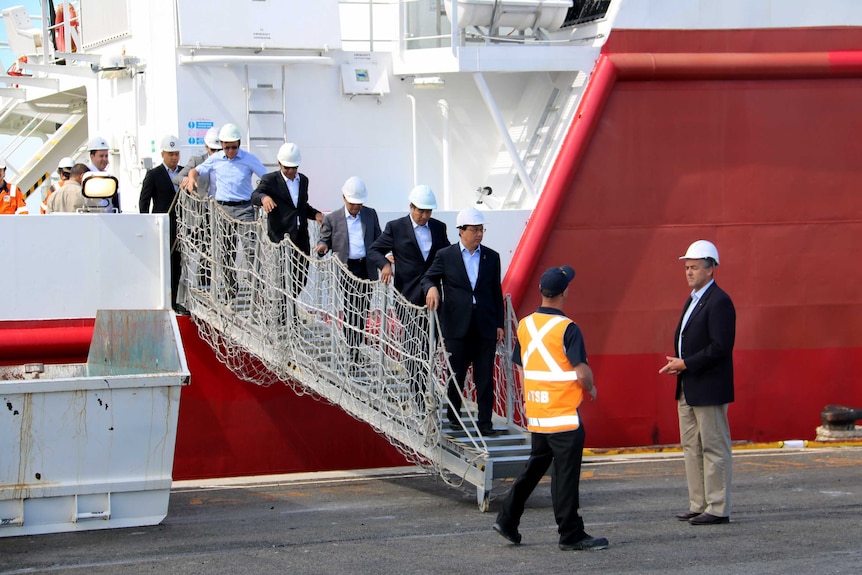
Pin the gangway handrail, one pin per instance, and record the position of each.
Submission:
(269, 321)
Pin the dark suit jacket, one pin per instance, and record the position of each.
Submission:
(286, 218)
(448, 271)
(157, 189)
(707, 349)
(333, 234)
(399, 238)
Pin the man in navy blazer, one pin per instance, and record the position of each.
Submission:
(283, 195)
(703, 367)
(349, 232)
(471, 313)
(413, 241)
(158, 191)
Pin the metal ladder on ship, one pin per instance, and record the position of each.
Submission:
(265, 113)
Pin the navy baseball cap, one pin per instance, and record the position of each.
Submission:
(555, 280)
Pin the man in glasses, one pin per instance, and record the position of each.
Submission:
(231, 169)
(471, 313)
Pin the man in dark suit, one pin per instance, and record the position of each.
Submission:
(158, 190)
(349, 233)
(413, 242)
(471, 313)
(703, 367)
(283, 194)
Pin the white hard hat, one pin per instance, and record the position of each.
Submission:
(354, 190)
(469, 217)
(423, 198)
(170, 144)
(229, 133)
(98, 143)
(211, 139)
(289, 155)
(65, 163)
(700, 250)
(2, 163)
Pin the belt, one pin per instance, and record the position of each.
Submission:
(356, 261)
(240, 203)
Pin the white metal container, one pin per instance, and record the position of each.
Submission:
(91, 446)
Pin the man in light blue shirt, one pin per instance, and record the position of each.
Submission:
(231, 171)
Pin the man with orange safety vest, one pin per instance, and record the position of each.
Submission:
(553, 359)
(12, 201)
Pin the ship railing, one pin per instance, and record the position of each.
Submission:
(275, 315)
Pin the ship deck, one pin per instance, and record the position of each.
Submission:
(795, 511)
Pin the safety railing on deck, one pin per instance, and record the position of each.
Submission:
(273, 314)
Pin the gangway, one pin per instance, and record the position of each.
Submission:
(249, 301)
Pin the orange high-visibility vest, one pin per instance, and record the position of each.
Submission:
(551, 390)
(12, 201)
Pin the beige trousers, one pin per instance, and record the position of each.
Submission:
(705, 436)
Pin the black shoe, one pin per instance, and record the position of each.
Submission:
(455, 425)
(487, 430)
(586, 544)
(510, 535)
(708, 519)
(181, 310)
(686, 515)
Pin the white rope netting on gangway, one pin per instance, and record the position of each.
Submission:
(273, 314)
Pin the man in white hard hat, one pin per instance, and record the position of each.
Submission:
(12, 201)
(232, 169)
(463, 282)
(413, 241)
(212, 145)
(64, 170)
(158, 196)
(349, 232)
(69, 198)
(283, 195)
(98, 148)
(703, 367)
(201, 227)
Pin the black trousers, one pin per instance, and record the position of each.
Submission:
(566, 451)
(356, 304)
(472, 349)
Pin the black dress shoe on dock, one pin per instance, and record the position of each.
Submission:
(586, 544)
(510, 535)
(686, 515)
(708, 519)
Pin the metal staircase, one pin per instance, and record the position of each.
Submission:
(265, 336)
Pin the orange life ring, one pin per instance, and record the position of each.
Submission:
(60, 33)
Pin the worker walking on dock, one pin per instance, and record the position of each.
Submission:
(551, 352)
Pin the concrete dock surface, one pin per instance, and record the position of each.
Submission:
(795, 512)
